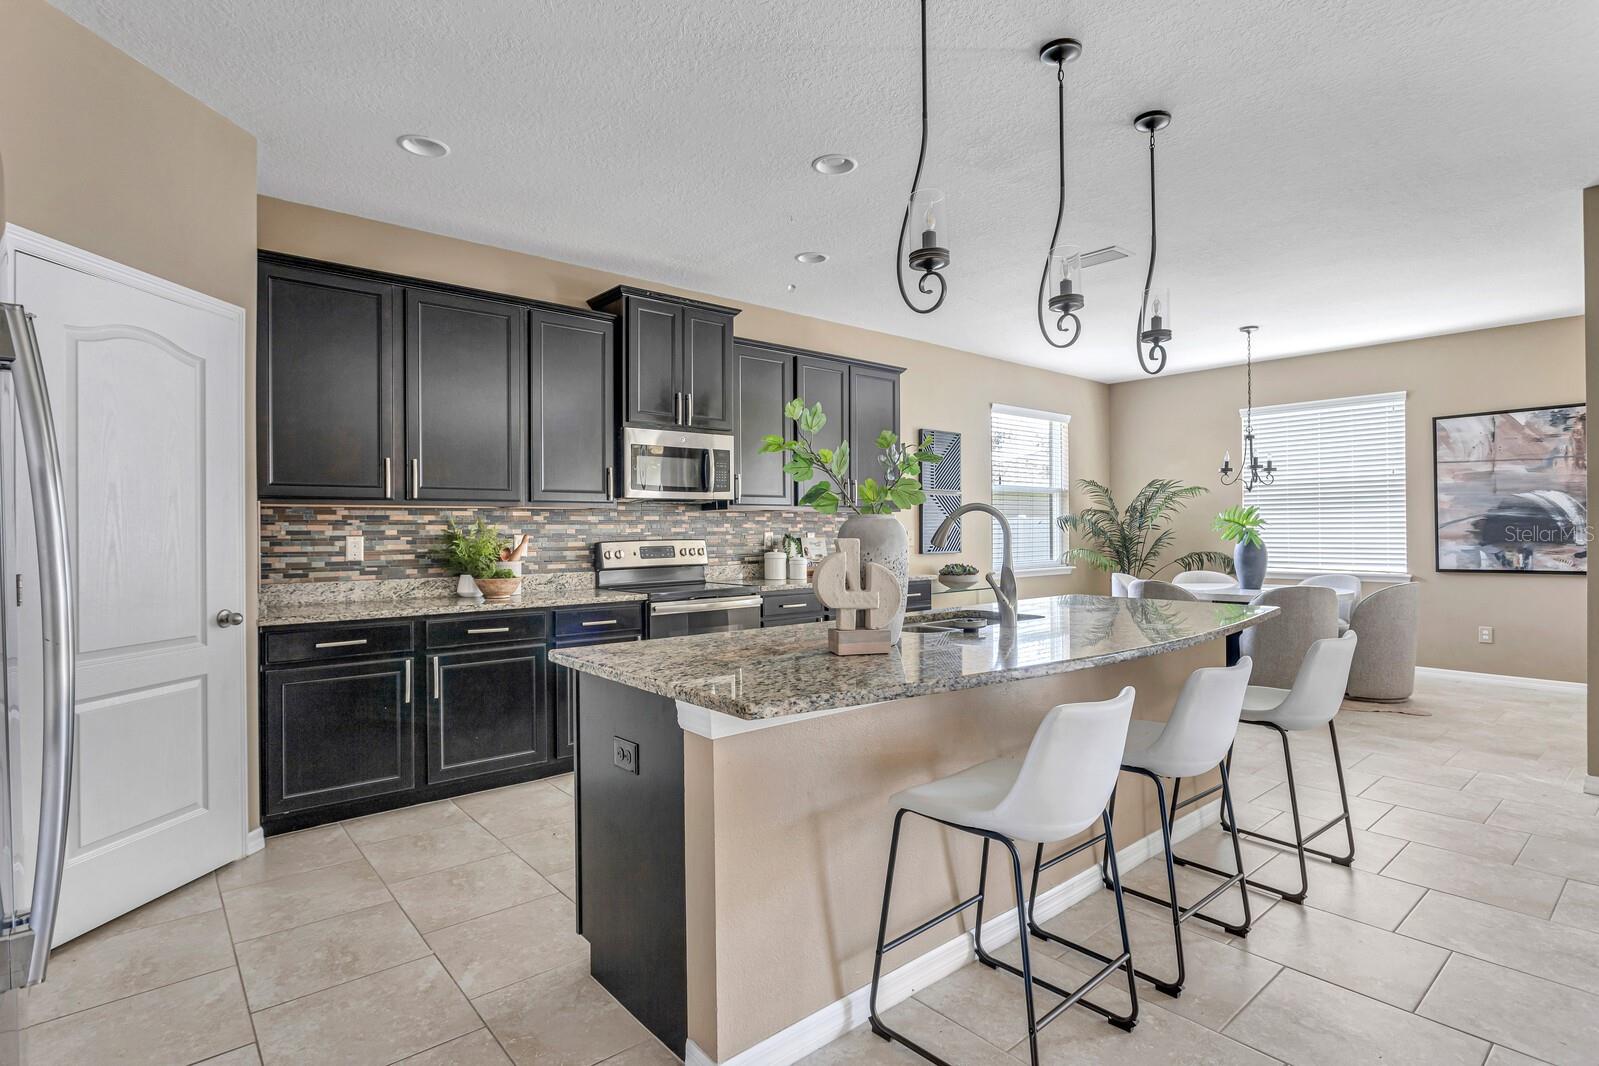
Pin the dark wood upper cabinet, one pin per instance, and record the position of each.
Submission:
(677, 359)
(571, 418)
(326, 380)
(708, 375)
(825, 380)
(465, 359)
(873, 407)
(764, 383)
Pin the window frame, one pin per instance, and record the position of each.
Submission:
(1058, 546)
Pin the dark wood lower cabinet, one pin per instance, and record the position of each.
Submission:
(337, 733)
(488, 711)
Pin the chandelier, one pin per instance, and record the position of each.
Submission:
(1251, 471)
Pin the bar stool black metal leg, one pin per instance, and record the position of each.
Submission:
(1343, 794)
(1298, 843)
(1130, 1019)
(1238, 849)
(982, 896)
(1170, 988)
(882, 930)
(1027, 963)
(1104, 860)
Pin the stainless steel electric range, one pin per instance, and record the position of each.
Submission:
(670, 574)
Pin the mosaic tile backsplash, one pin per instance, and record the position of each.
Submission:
(302, 542)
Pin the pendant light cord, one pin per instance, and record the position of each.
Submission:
(904, 226)
(1060, 213)
(1149, 276)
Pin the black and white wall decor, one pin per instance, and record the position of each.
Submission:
(1512, 491)
(942, 483)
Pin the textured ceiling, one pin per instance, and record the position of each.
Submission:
(1341, 173)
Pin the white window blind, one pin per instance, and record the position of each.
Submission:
(1030, 484)
(1338, 502)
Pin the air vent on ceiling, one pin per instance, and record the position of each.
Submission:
(1107, 254)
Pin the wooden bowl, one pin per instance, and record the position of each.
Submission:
(499, 588)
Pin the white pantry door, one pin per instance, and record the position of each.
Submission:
(147, 390)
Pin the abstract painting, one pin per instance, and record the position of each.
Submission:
(942, 483)
(1512, 491)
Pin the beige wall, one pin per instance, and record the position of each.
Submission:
(1590, 245)
(942, 388)
(1178, 426)
(103, 154)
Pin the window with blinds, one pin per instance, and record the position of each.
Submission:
(1031, 486)
(1338, 502)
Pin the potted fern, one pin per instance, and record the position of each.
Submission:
(475, 552)
(1131, 541)
(1240, 526)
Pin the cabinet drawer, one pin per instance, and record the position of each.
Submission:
(581, 622)
(919, 594)
(798, 603)
(487, 629)
(338, 642)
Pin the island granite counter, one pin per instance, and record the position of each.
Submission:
(733, 814)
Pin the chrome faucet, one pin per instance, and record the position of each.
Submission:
(1005, 585)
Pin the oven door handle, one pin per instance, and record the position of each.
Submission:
(733, 603)
(705, 470)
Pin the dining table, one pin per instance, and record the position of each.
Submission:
(1235, 593)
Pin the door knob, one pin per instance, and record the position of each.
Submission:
(229, 618)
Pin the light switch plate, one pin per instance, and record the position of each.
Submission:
(354, 548)
(624, 754)
(1485, 634)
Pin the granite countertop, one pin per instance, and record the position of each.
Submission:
(767, 673)
(359, 610)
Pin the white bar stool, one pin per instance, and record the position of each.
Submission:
(1197, 738)
(1312, 702)
(1060, 788)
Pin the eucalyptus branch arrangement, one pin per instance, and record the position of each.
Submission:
(900, 488)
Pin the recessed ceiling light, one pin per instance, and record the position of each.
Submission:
(426, 147)
(811, 257)
(833, 163)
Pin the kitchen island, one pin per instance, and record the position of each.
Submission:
(733, 814)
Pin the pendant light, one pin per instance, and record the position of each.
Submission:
(1156, 312)
(1062, 277)
(930, 254)
(1250, 470)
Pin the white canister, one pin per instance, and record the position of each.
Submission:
(776, 566)
(466, 588)
(798, 568)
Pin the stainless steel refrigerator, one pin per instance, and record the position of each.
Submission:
(32, 850)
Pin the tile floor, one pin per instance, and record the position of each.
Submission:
(1467, 931)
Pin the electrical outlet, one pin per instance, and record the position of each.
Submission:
(354, 548)
(1485, 634)
(768, 539)
(624, 754)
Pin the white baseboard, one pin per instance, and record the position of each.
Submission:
(1590, 785)
(254, 841)
(1500, 679)
(839, 1017)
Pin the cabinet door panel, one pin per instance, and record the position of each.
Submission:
(336, 733)
(571, 427)
(654, 360)
(464, 397)
(708, 370)
(487, 711)
(565, 701)
(325, 385)
(818, 379)
(874, 407)
(765, 381)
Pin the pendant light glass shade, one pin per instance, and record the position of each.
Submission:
(929, 210)
(1060, 285)
(1154, 314)
(1160, 312)
(1065, 278)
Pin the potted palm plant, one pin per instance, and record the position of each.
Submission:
(1131, 541)
(476, 552)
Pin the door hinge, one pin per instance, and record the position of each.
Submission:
(19, 590)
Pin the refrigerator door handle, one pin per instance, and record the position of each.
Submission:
(55, 608)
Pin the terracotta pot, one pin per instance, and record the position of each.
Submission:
(499, 588)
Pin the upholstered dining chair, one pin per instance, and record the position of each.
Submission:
(1120, 582)
(1339, 583)
(1151, 589)
(1306, 614)
(1384, 670)
(1191, 579)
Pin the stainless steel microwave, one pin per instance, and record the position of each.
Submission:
(670, 464)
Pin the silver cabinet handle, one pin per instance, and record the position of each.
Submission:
(339, 643)
(738, 487)
(704, 606)
(416, 478)
(388, 478)
(610, 483)
(229, 618)
(19, 354)
(688, 406)
(602, 622)
(433, 681)
(794, 606)
(677, 408)
(488, 629)
(408, 681)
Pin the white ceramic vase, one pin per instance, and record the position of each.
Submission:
(883, 541)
